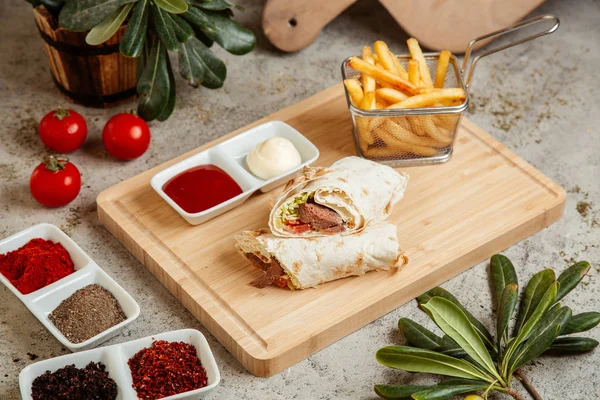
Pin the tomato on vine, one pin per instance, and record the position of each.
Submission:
(55, 182)
(126, 136)
(63, 130)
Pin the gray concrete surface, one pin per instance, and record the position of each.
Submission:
(540, 99)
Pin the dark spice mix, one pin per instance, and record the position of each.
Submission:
(71, 383)
(86, 313)
(166, 369)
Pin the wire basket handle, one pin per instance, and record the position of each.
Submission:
(515, 27)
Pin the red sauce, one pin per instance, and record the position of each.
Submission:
(200, 188)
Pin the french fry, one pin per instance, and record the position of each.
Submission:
(375, 123)
(375, 57)
(416, 126)
(385, 57)
(399, 133)
(398, 147)
(354, 90)
(446, 121)
(365, 138)
(434, 132)
(390, 95)
(414, 74)
(363, 123)
(366, 52)
(417, 54)
(382, 75)
(442, 67)
(368, 82)
(368, 101)
(403, 122)
(428, 99)
(379, 104)
(400, 67)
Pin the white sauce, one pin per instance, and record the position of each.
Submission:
(273, 157)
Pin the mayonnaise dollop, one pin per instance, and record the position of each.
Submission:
(273, 157)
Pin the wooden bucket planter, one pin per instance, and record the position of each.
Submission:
(96, 76)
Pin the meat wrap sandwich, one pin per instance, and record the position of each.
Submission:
(301, 263)
(342, 199)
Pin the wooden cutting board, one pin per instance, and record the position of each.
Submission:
(292, 25)
(453, 216)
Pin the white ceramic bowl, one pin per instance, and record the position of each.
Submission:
(230, 156)
(115, 358)
(43, 301)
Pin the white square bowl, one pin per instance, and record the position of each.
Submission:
(238, 147)
(115, 358)
(43, 301)
(230, 156)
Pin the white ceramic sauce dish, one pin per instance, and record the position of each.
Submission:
(115, 358)
(43, 301)
(230, 156)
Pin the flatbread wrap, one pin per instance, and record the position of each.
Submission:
(341, 199)
(300, 263)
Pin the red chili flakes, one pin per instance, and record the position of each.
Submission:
(166, 369)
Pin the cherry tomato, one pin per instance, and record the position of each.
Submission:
(63, 130)
(55, 182)
(126, 136)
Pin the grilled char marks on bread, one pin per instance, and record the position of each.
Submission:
(320, 218)
(271, 271)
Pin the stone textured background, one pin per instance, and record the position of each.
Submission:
(540, 99)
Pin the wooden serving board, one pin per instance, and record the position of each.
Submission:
(292, 25)
(453, 216)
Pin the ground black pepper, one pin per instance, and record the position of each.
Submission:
(166, 369)
(86, 313)
(71, 383)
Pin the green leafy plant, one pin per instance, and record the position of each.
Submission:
(469, 355)
(155, 27)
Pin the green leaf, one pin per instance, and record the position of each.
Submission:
(479, 327)
(164, 29)
(199, 21)
(142, 59)
(451, 348)
(134, 38)
(502, 274)
(544, 304)
(419, 360)
(107, 28)
(507, 304)
(215, 70)
(83, 15)
(215, 5)
(53, 6)
(153, 84)
(537, 286)
(581, 323)
(230, 35)
(445, 391)
(419, 336)
(202, 37)
(571, 278)
(190, 66)
(455, 324)
(172, 6)
(542, 336)
(166, 113)
(397, 391)
(573, 344)
(183, 30)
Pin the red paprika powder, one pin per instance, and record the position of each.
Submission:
(37, 264)
(166, 369)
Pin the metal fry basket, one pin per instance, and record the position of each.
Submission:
(420, 136)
